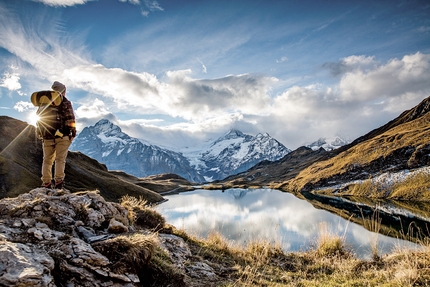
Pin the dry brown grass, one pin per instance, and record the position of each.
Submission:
(373, 224)
(416, 187)
(413, 188)
(129, 253)
(411, 134)
(328, 263)
(410, 268)
(329, 244)
(141, 214)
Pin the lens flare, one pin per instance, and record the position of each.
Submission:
(33, 118)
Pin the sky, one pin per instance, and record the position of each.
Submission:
(178, 73)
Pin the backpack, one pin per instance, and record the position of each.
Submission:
(50, 122)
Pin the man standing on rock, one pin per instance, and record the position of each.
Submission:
(57, 128)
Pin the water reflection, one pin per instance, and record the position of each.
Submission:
(243, 215)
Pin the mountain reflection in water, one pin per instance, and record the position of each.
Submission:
(244, 215)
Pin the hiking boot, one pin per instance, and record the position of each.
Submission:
(59, 184)
(47, 184)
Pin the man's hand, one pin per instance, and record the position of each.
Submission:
(72, 134)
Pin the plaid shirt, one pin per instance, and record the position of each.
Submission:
(67, 115)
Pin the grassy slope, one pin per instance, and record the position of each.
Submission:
(399, 145)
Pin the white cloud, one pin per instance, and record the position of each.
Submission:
(22, 106)
(94, 109)
(128, 89)
(182, 96)
(62, 2)
(42, 46)
(409, 75)
(204, 70)
(10, 81)
(200, 99)
(283, 59)
(367, 96)
(151, 4)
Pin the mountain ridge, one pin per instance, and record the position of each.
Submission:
(231, 153)
(108, 144)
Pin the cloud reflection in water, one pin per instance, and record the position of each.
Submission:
(244, 215)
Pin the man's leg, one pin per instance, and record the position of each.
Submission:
(48, 160)
(62, 147)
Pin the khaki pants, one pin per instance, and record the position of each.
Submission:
(54, 150)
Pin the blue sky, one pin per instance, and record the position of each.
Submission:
(181, 72)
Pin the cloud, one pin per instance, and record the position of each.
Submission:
(367, 96)
(362, 100)
(94, 109)
(10, 81)
(63, 3)
(129, 90)
(181, 96)
(42, 45)
(393, 80)
(204, 70)
(207, 98)
(151, 5)
(283, 59)
(22, 106)
(349, 64)
(148, 4)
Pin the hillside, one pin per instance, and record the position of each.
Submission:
(278, 171)
(21, 158)
(402, 144)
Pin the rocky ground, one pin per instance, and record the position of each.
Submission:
(57, 238)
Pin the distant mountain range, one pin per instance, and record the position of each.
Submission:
(328, 143)
(106, 143)
(230, 154)
(236, 152)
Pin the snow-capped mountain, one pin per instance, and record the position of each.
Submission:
(106, 143)
(328, 143)
(236, 152)
(230, 154)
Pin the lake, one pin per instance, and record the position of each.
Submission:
(244, 215)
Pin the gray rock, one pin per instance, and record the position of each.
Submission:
(24, 265)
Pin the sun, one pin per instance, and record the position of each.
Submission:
(33, 118)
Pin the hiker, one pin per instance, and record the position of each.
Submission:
(57, 128)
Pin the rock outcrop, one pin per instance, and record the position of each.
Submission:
(57, 238)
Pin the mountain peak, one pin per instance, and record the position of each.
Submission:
(234, 133)
(107, 127)
(328, 143)
(230, 135)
